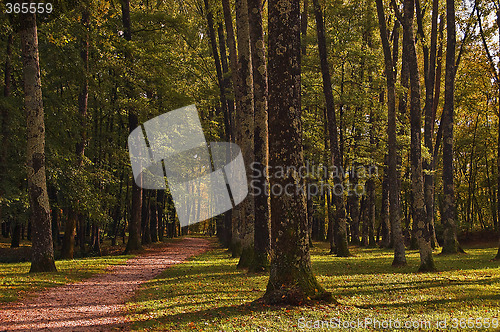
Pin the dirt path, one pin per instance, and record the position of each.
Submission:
(98, 303)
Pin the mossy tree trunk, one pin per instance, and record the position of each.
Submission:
(450, 244)
(244, 213)
(420, 226)
(393, 176)
(42, 250)
(291, 278)
(261, 140)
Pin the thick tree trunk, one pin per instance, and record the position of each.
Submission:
(420, 226)
(42, 251)
(134, 237)
(291, 278)
(244, 214)
(450, 244)
(341, 245)
(261, 144)
(392, 169)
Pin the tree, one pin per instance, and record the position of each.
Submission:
(68, 247)
(42, 252)
(291, 278)
(261, 144)
(496, 75)
(392, 171)
(420, 226)
(341, 246)
(134, 237)
(450, 245)
(244, 214)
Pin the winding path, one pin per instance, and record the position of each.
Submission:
(97, 303)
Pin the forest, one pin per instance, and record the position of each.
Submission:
(369, 137)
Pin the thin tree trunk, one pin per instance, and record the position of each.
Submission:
(385, 221)
(261, 144)
(134, 237)
(4, 114)
(303, 26)
(420, 226)
(392, 172)
(291, 278)
(42, 251)
(341, 245)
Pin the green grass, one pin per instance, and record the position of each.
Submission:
(16, 282)
(208, 293)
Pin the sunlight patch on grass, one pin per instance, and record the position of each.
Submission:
(208, 293)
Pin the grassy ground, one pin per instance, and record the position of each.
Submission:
(208, 293)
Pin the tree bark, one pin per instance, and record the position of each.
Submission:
(291, 278)
(450, 244)
(429, 118)
(341, 245)
(42, 251)
(392, 169)
(420, 226)
(244, 213)
(262, 244)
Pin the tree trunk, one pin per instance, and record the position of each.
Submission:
(228, 87)
(160, 199)
(341, 246)
(145, 226)
(42, 251)
(4, 118)
(291, 278)
(392, 169)
(16, 235)
(244, 213)
(153, 219)
(233, 64)
(134, 237)
(261, 202)
(385, 221)
(353, 202)
(420, 226)
(450, 244)
(303, 27)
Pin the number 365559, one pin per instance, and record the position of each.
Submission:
(27, 7)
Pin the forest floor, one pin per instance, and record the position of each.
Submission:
(94, 304)
(208, 293)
